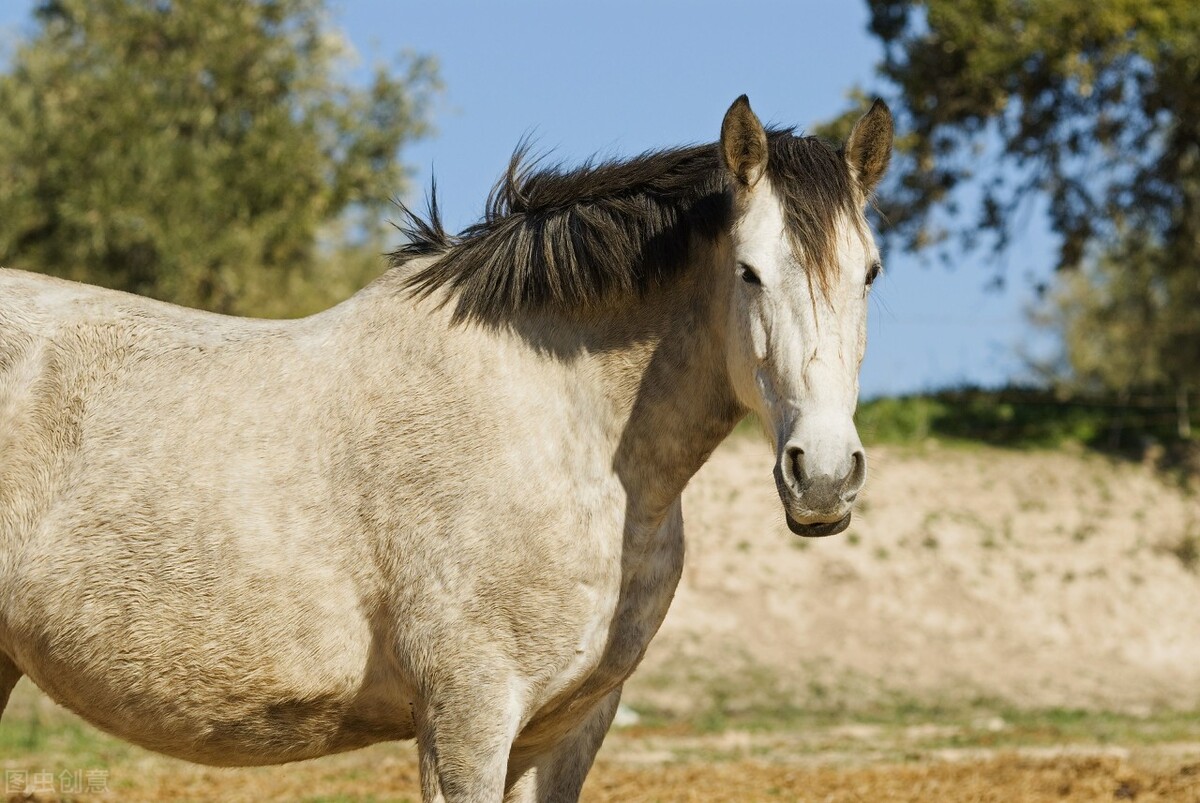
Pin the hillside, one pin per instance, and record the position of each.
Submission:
(1024, 579)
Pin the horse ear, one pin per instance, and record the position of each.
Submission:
(869, 148)
(743, 143)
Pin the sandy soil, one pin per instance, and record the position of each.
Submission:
(1034, 578)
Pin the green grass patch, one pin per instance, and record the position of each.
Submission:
(35, 736)
(1027, 417)
(1015, 417)
(925, 725)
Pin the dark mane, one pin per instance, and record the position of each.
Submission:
(573, 239)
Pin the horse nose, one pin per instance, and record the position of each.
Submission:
(821, 487)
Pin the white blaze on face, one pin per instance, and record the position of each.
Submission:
(794, 355)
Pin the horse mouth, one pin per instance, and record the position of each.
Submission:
(818, 530)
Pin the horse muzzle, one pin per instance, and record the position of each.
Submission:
(818, 503)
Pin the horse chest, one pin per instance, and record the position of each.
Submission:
(613, 643)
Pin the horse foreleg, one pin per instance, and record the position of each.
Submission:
(9, 675)
(464, 736)
(558, 775)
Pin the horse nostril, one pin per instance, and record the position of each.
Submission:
(857, 476)
(794, 463)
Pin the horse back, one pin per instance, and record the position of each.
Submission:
(63, 345)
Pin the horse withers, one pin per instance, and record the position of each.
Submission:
(448, 508)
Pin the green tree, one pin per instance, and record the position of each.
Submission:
(1091, 105)
(204, 152)
(1123, 328)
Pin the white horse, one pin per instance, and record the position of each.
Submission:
(448, 508)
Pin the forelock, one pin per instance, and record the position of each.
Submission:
(814, 185)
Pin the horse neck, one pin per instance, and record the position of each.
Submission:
(670, 391)
(652, 368)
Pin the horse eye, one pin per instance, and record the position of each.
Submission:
(873, 273)
(748, 274)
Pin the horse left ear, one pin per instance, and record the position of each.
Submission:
(869, 148)
(743, 143)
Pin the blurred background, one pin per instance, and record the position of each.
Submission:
(1025, 571)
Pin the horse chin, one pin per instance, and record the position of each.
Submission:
(819, 529)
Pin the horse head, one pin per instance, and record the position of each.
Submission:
(801, 267)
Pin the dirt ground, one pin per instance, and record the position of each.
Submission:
(390, 774)
(1008, 778)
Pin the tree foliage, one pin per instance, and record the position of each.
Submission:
(1092, 105)
(206, 152)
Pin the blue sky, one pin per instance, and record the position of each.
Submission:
(617, 78)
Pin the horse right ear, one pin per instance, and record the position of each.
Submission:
(743, 143)
(869, 148)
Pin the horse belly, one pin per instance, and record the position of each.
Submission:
(213, 707)
(199, 661)
(216, 725)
